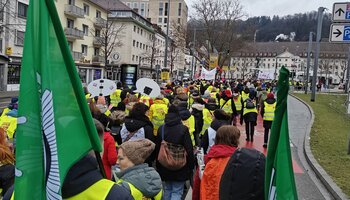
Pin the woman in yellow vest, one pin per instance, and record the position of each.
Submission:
(208, 114)
(250, 115)
(268, 114)
(142, 181)
(186, 117)
(157, 113)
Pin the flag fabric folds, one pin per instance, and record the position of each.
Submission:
(55, 127)
(279, 175)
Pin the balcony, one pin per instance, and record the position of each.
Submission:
(98, 59)
(74, 11)
(98, 41)
(76, 55)
(73, 33)
(100, 22)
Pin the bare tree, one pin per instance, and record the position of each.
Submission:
(112, 38)
(219, 18)
(343, 66)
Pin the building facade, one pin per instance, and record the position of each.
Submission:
(270, 56)
(139, 6)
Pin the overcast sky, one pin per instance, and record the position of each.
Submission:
(278, 7)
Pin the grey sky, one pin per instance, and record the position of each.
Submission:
(278, 7)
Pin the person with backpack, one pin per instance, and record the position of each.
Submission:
(250, 116)
(157, 113)
(138, 126)
(227, 104)
(268, 113)
(208, 114)
(173, 137)
(220, 118)
(243, 176)
(207, 182)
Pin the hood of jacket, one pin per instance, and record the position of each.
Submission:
(133, 124)
(80, 176)
(184, 112)
(144, 178)
(270, 101)
(220, 151)
(211, 106)
(197, 106)
(172, 119)
(216, 124)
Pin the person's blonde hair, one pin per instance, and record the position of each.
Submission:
(228, 135)
(6, 155)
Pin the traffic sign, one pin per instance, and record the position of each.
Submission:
(341, 12)
(340, 33)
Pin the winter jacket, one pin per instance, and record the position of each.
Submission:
(7, 177)
(146, 179)
(84, 174)
(187, 119)
(269, 101)
(157, 113)
(197, 112)
(109, 157)
(172, 134)
(208, 113)
(208, 138)
(248, 117)
(207, 188)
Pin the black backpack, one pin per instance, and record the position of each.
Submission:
(243, 177)
(249, 104)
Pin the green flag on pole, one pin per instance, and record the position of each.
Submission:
(279, 175)
(55, 125)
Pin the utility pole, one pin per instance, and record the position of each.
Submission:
(193, 71)
(318, 39)
(347, 85)
(306, 84)
(167, 38)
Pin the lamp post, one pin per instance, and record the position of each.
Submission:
(167, 37)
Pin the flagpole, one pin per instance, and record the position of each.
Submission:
(100, 164)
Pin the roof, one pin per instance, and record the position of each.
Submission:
(111, 5)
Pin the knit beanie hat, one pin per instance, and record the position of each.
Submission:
(220, 114)
(270, 95)
(138, 151)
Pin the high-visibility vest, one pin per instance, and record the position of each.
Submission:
(248, 110)
(6, 110)
(146, 100)
(9, 124)
(238, 103)
(226, 106)
(98, 190)
(115, 97)
(269, 111)
(245, 96)
(137, 194)
(213, 95)
(190, 123)
(207, 119)
(157, 113)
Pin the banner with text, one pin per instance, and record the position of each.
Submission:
(208, 75)
(214, 60)
(266, 75)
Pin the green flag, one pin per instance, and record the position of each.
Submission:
(55, 127)
(279, 175)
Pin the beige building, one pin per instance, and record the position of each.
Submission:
(139, 6)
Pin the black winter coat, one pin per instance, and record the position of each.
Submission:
(172, 134)
(197, 112)
(215, 124)
(7, 177)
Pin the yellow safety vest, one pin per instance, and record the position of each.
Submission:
(6, 110)
(248, 110)
(227, 107)
(157, 114)
(107, 113)
(190, 123)
(137, 194)
(269, 111)
(98, 190)
(238, 103)
(115, 97)
(207, 119)
(245, 96)
(9, 124)
(145, 99)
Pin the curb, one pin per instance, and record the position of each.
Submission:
(321, 174)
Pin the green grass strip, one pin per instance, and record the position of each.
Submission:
(330, 136)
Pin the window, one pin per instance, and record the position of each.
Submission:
(161, 9)
(133, 57)
(179, 10)
(96, 51)
(140, 45)
(166, 9)
(70, 23)
(144, 46)
(19, 38)
(160, 20)
(97, 33)
(134, 28)
(137, 44)
(86, 29)
(13, 74)
(128, 4)
(98, 14)
(165, 20)
(71, 2)
(179, 20)
(70, 45)
(22, 10)
(136, 5)
(142, 9)
(138, 30)
(84, 49)
(137, 58)
(86, 9)
(141, 31)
